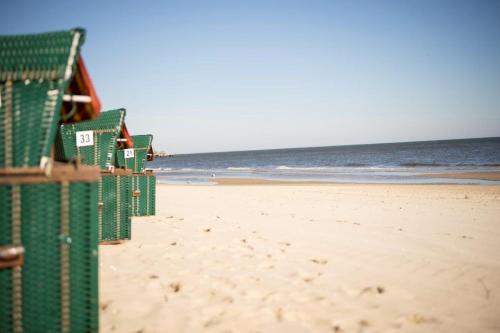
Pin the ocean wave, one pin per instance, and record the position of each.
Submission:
(159, 169)
(284, 167)
(239, 168)
(478, 165)
(422, 164)
(325, 168)
(356, 165)
(195, 170)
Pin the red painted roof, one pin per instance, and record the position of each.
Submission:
(126, 135)
(81, 85)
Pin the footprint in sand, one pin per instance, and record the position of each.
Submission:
(214, 321)
(306, 277)
(337, 329)
(279, 314)
(418, 319)
(320, 261)
(377, 290)
(175, 286)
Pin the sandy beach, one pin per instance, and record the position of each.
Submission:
(308, 258)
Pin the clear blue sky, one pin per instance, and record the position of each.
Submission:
(233, 75)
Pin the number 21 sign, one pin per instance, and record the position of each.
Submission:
(84, 138)
(129, 153)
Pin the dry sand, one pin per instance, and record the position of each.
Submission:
(308, 258)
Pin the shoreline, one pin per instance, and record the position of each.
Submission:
(240, 181)
(490, 178)
(476, 175)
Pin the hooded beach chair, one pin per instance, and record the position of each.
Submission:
(48, 214)
(94, 142)
(143, 182)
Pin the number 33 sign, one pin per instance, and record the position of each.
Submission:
(129, 153)
(84, 138)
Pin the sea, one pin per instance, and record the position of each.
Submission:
(402, 162)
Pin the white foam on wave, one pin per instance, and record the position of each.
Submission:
(238, 168)
(342, 169)
(284, 167)
(159, 169)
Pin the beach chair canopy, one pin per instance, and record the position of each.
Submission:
(93, 142)
(142, 152)
(38, 74)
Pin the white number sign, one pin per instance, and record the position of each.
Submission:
(84, 138)
(129, 153)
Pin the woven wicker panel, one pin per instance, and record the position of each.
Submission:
(137, 164)
(39, 56)
(143, 202)
(122, 162)
(34, 73)
(106, 130)
(56, 288)
(125, 228)
(136, 195)
(151, 195)
(115, 214)
(108, 209)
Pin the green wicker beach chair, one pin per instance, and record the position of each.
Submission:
(143, 186)
(94, 142)
(136, 159)
(43, 81)
(48, 251)
(115, 210)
